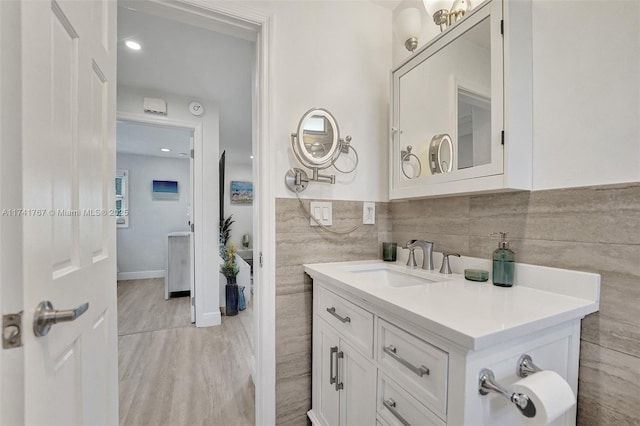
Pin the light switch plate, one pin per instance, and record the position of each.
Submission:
(322, 211)
(368, 213)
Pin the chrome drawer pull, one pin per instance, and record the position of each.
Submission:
(391, 406)
(420, 371)
(332, 311)
(338, 356)
(332, 350)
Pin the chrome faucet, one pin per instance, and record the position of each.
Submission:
(427, 253)
(411, 261)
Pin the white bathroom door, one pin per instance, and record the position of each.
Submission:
(68, 193)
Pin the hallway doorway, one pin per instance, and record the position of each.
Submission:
(147, 76)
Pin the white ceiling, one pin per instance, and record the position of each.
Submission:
(147, 139)
(191, 61)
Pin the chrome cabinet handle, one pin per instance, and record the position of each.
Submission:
(391, 351)
(338, 384)
(391, 406)
(332, 351)
(332, 311)
(46, 316)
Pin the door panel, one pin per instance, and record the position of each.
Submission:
(94, 167)
(358, 398)
(68, 157)
(328, 402)
(63, 137)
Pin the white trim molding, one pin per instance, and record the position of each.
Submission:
(209, 221)
(141, 275)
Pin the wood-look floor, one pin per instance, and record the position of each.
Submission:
(172, 373)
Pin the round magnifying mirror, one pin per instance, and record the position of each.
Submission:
(318, 138)
(441, 154)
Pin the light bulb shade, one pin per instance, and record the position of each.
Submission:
(408, 23)
(432, 6)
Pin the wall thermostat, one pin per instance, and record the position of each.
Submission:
(196, 109)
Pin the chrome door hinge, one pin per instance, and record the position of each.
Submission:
(502, 137)
(193, 227)
(193, 301)
(260, 259)
(192, 154)
(502, 26)
(12, 331)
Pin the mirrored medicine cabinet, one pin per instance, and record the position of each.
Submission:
(450, 110)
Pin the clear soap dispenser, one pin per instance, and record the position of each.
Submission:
(503, 263)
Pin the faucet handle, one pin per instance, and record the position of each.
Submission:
(411, 261)
(446, 268)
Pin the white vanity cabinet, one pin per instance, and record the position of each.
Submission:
(395, 355)
(461, 116)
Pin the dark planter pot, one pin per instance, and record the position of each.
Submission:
(232, 295)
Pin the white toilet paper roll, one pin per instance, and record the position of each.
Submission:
(550, 393)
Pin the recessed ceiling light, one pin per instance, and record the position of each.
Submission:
(251, 156)
(165, 149)
(132, 45)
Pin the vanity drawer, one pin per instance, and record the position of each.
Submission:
(352, 321)
(420, 367)
(397, 407)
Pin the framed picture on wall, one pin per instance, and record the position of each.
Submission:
(164, 190)
(241, 192)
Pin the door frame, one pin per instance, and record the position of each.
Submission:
(11, 275)
(197, 208)
(261, 23)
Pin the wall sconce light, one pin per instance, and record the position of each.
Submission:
(409, 26)
(442, 15)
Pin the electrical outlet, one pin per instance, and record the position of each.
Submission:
(368, 213)
(322, 211)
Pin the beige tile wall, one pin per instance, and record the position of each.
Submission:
(594, 229)
(298, 243)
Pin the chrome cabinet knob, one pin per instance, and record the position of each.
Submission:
(46, 316)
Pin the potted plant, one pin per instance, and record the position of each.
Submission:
(230, 270)
(225, 229)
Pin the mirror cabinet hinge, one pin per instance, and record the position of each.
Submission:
(502, 137)
(502, 26)
(192, 153)
(12, 331)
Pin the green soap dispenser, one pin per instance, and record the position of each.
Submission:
(503, 263)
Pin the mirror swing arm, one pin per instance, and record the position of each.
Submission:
(312, 155)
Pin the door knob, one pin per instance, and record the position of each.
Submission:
(46, 316)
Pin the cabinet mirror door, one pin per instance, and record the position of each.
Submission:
(448, 105)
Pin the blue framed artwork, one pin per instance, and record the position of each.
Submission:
(241, 192)
(165, 190)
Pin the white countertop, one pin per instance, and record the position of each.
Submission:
(472, 314)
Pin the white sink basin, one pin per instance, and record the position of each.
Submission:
(392, 277)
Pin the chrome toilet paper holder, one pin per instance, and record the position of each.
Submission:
(526, 367)
(487, 382)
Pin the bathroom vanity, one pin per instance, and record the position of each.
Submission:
(398, 346)
(461, 115)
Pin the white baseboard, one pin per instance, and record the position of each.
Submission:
(209, 319)
(141, 275)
